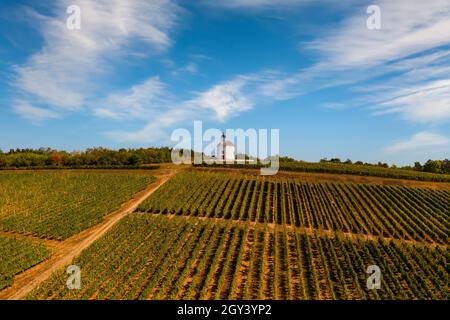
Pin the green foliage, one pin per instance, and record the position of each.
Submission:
(22, 158)
(358, 168)
(380, 170)
(385, 211)
(58, 204)
(156, 257)
(18, 255)
(433, 166)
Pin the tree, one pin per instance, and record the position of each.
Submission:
(381, 164)
(56, 159)
(446, 166)
(418, 166)
(286, 159)
(135, 160)
(433, 166)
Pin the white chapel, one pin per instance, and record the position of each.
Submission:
(225, 150)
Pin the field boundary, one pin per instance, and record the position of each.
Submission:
(64, 252)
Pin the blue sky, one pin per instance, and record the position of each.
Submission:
(137, 70)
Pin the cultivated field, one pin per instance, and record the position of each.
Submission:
(161, 257)
(58, 204)
(55, 205)
(205, 235)
(18, 255)
(225, 235)
(387, 211)
(351, 169)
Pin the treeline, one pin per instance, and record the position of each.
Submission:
(93, 157)
(105, 158)
(432, 166)
(334, 167)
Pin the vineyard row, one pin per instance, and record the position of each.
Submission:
(384, 211)
(57, 205)
(159, 257)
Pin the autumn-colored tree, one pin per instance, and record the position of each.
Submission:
(56, 159)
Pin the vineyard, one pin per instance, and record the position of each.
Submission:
(18, 255)
(58, 204)
(169, 257)
(343, 168)
(215, 235)
(364, 170)
(384, 211)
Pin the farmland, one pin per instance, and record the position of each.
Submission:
(352, 169)
(59, 204)
(18, 255)
(364, 170)
(162, 257)
(231, 235)
(385, 211)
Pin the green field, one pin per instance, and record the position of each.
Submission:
(386, 211)
(59, 204)
(159, 257)
(226, 235)
(17, 256)
(353, 169)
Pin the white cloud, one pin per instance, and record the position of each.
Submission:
(429, 102)
(32, 113)
(66, 72)
(191, 68)
(408, 27)
(236, 4)
(421, 141)
(225, 99)
(266, 4)
(138, 102)
(69, 66)
(220, 102)
(404, 66)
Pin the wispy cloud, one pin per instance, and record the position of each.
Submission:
(190, 68)
(217, 103)
(138, 102)
(65, 72)
(33, 114)
(425, 103)
(402, 68)
(224, 100)
(263, 4)
(422, 141)
(408, 27)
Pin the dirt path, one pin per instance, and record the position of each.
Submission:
(65, 251)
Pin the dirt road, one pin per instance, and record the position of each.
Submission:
(63, 252)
